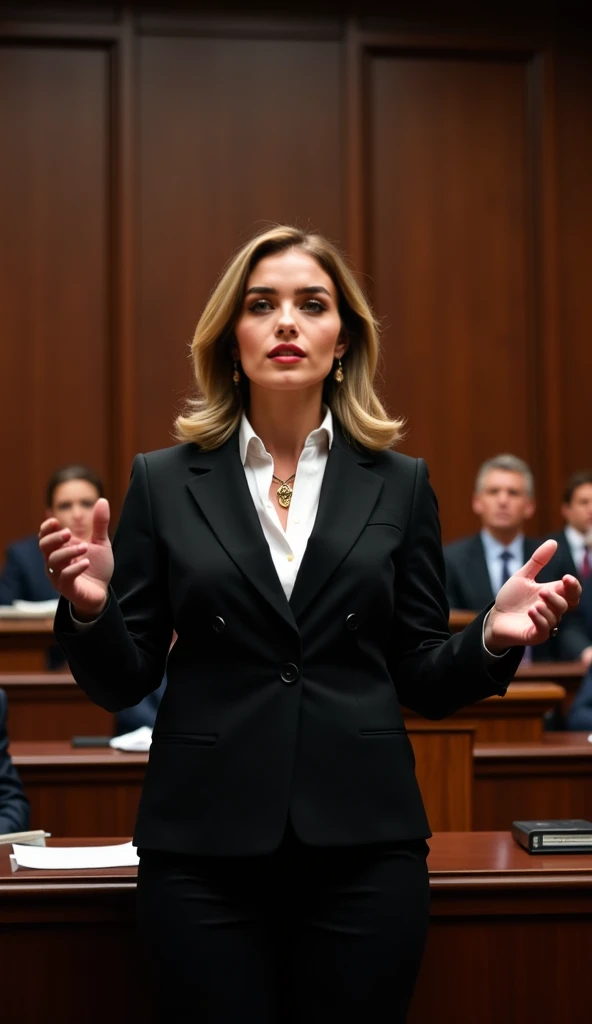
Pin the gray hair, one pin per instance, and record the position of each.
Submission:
(511, 464)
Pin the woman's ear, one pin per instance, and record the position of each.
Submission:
(342, 344)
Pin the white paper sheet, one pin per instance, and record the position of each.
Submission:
(29, 610)
(73, 857)
(138, 740)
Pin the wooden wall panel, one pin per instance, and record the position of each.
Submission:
(233, 134)
(447, 212)
(574, 232)
(54, 288)
(142, 143)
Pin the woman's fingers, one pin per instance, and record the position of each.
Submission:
(554, 601)
(61, 557)
(50, 526)
(547, 614)
(73, 570)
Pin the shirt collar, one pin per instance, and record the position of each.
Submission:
(575, 539)
(493, 548)
(250, 444)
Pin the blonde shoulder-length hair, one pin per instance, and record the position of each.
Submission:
(211, 417)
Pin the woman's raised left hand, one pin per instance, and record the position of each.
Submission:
(525, 612)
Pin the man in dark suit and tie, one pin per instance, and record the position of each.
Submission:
(14, 806)
(574, 542)
(477, 566)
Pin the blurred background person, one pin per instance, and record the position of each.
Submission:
(14, 806)
(71, 495)
(478, 566)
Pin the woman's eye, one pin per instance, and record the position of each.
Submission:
(260, 306)
(313, 306)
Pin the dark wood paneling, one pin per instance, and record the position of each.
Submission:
(54, 290)
(574, 231)
(233, 134)
(447, 248)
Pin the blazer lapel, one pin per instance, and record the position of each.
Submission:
(219, 486)
(348, 495)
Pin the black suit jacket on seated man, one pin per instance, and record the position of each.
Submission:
(14, 806)
(277, 707)
(468, 586)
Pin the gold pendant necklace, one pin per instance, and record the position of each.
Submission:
(284, 492)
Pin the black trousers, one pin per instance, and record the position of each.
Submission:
(301, 936)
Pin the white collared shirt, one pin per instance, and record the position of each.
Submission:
(577, 546)
(493, 550)
(287, 546)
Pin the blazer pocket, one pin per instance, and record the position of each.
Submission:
(383, 732)
(383, 516)
(190, 739)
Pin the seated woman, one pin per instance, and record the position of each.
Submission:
(71, 495)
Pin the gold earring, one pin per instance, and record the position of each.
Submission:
(338, 375)
(236, 375)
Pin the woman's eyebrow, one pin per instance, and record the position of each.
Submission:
(311, 289)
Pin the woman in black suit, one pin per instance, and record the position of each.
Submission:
(281, 831)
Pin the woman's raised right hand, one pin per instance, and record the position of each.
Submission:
(80, 570)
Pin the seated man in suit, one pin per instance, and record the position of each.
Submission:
(477, 566)
(14, 806)
(574, 542)
(71, 495)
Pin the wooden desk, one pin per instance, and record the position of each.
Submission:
(24, 644)
(51, 706)
(568, 674)
(459, 618)
(444, 768)
(498, 916)
(76, 791)
(517, 716)
(551, 778)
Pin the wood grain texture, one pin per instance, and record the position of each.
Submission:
(54, 293)
(51, 706)
(232, 137)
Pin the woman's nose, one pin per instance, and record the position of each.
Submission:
(286, 325)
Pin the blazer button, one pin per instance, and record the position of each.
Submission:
(351, 622)
(290, 673)
(218, 624)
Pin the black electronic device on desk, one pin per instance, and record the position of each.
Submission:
(561, 835)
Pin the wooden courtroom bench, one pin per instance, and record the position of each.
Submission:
(498, 916)
(550, 778)
(517, 716)
(24, 644)
(77, 791)
(51, 706)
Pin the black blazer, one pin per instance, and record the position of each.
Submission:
(14, 806)
(468, 587)
(275, 707)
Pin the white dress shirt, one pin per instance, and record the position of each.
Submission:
(287, 546)
(577, 546)
(493, 550)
